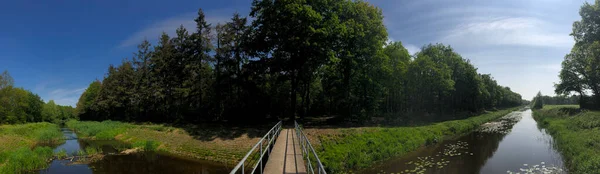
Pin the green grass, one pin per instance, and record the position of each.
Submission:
(147, 145)
(62, 153)
(576, 134)
(106, 130)
(109, 130)
(92, 150)
(25, 159)
(171, 140)
(345, 149)
(17, 142)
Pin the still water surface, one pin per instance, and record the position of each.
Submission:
(519, 144)
(131, 163)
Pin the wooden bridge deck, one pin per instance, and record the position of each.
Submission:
(286, 156)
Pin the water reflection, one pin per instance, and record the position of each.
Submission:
(154, 163)
(493, 151)
(113, 162)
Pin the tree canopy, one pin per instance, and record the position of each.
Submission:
(18, 105)
(581, 67)
(295, 59)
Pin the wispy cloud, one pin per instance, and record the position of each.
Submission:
(517, 31)
(169, 25)
(63, 96)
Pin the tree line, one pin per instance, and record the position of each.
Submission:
(580, 73)
(18, 105)
(295, 59)
(540, 100)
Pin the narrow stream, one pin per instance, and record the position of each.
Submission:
(513, 144)
(113, 162)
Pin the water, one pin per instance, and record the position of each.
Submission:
(513, 145)
(113, 162)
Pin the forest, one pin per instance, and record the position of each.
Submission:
(337, 60)
(18, 105)
(293, 60)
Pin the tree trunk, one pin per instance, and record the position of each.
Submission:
(293, 91)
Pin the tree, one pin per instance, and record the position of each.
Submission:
(6, 80)
(50, 112)
(142, 90)
(199, 78)
(87, 104)
(293, 36)
(297, 58)
(398, 60)
(581, 68)
(18, 105)
(34, 107)
(538, 102)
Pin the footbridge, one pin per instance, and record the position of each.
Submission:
(281, 150)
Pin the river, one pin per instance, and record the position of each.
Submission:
(113, 162)
(513, 144)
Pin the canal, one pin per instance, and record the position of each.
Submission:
(513, 144)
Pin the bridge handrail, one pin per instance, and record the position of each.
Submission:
(271, 136)
(307, 151)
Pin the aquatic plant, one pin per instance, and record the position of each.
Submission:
(538, 169)
(424, 163)
(80, 153)
(502, 125)
(355, 148)
(62, 153)
(92, 150)
(455, 149)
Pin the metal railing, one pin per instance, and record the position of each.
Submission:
(308, 151)
(262, 149)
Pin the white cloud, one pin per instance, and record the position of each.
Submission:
(412, 49)
(153, 31)
(65, 96)
(518, 31)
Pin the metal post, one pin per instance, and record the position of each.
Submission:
(261, 160)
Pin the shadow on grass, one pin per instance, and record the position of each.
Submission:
(415, 119)
(227, 130)
(210, 131)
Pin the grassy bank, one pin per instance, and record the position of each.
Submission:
(344, 149)
(576, 134)
(17, 142)
(200, 142)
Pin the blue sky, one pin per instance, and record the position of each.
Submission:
(56, 48)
